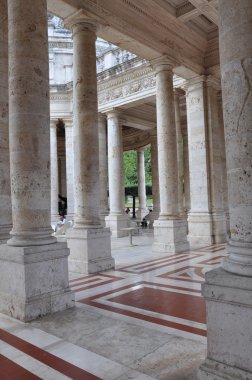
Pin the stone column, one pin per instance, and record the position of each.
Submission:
(187, 199)
(69, 168)
(154, 174)
(103, 171)
(5, 191)
(34, 269)
(117, 217)
(142, 209)
(179, 153)
(169, 229)
(228, 290)
(206, 219)
(89, 242)
(54, 172)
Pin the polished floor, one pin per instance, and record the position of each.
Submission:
(145, 320)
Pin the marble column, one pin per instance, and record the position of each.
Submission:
(117, 218)
(206, 219)
(142, 208)
(169, 229)
(5, 190)
(33, 266)
(228, 289)
(154, 174)
(54, 172)
(89, 242)
(187, 199)
(179, 153)
(69, 168)
(103, 164)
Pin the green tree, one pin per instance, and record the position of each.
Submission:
(130, 167)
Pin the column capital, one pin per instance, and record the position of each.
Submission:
(194, 83)
(213, 82)
(163, 63)
(82, 21)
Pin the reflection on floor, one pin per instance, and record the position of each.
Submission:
(145, 320)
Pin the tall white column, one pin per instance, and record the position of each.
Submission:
(54, 172)
(142, 209)
(228, 290)
(206, 219)
(34, 268)
(69, 168)
(117, 218)
(89, 242)
(169, 229)
(179, 153)
(154, 174)
(5, 191)
(103, 171)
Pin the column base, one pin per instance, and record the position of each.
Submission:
(141, 213)
(229, 328)
(34, 281)
(103, 215)
(170, 236)
(5, 233)
(90, 250)
(115, 223)
(206, 229)
(213, 370)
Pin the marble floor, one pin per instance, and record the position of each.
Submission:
(145, 320)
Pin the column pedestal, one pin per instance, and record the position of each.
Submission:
(170, 236)
(34, 280)
(90, 250)
(116, 223)
(206, 229)
(229, 309)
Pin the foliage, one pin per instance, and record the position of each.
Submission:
(133, 190)
(130, 167)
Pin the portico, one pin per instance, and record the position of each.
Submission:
(178, 45)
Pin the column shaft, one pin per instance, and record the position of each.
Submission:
(103, 171)
(179, 153)
(117, 218)
(142, 209)
(5, 191)
(85, 128)
(69, 168)
(29, 147)
(54, 173)
(154, 174)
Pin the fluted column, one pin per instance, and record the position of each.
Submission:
(228, 289)
(69, 168)
(169, 229)
(117, 218)
(5, 191)
(88, 241)
(179, 153)
(33, 269)
(154, 174)
(103, 171)
(54, 172)
(142, 209)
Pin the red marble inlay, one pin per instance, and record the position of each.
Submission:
(9, 370)
(94, 301)
(175, 274)
(178, 305)
(46, 358)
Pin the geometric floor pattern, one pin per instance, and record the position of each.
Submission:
(163, 293)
